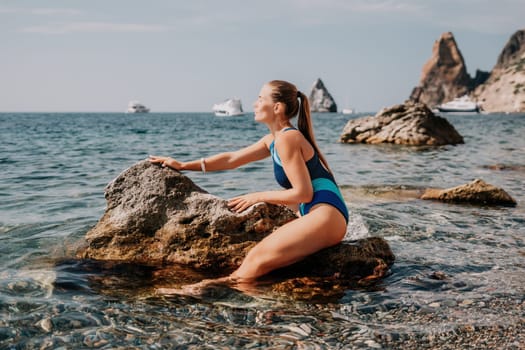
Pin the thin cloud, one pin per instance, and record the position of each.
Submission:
(95, 27)
(361, 6)
(40, 11)
(484, 16)
(9, 10)
(55, 11)
(385, 7)
(493, 22)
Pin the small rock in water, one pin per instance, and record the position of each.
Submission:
(297, 330)
(475, 192)
(438, 275)
(306, 328)
(45, 324)
(373, 344)
(450, 303)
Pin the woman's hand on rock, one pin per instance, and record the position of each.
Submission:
(166, 161)
(241, 203)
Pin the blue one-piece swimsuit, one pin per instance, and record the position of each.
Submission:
(323, 183)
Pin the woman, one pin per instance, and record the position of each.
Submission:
(299, 167)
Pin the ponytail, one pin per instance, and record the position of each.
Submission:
(304, 124)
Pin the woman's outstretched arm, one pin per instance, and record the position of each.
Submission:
(222, 161)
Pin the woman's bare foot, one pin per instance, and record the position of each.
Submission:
(196, 289)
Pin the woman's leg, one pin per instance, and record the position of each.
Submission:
(322, 227)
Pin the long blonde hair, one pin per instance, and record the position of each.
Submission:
(296, 103)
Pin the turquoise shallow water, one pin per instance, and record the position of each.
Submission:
(54, 170)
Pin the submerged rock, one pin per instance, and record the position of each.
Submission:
(475, 192)
(510, 167)
(411, 123)
(157, 216)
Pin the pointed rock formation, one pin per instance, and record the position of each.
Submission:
(320, 99)
(411, 123)
(157, 216)
(444, 76)
(504, 91)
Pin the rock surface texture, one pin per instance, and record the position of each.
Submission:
(410, 123)
(157, 216)
(320, 99)
(476, 192)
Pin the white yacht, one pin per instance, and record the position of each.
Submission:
(136, 107)
(459, 104)
(348, 111)
(228, 108)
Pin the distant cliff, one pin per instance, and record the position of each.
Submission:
(445, 77)
(320, 99)
(504, 91)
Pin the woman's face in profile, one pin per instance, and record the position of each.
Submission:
(263, 107)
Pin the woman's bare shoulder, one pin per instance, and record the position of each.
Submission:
(292, 138)
(289, 141)
(267, 140)
(294, 141)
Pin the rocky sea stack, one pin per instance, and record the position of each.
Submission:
(444, 77)
(411, 123)
(157, 216)
(320, 99)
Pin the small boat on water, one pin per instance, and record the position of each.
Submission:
(459, 104)
(228, 108)
(348, 111)
(136, 107)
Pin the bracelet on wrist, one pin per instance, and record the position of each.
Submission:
(203, 165)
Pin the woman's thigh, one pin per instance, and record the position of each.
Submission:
(322, 227)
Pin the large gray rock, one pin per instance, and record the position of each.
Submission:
(475, 192)
(320, 99)
(157, 216)
(411, 123)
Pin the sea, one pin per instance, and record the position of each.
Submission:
(459, 271)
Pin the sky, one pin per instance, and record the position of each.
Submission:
(184, 56)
